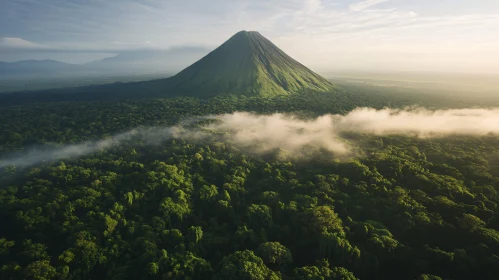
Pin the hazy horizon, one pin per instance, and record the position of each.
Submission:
(372, 35)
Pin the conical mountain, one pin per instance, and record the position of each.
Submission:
(247, 64)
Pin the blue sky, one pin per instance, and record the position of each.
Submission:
(414, 35)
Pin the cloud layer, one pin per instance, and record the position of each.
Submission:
(322, 34)
(11, 43)
(264, 133)
(421, 122)
(268, 132)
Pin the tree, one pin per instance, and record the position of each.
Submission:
(188, 266)
(40, 270)
(175, 209)
(323, 218)
(195, 234)
(87, 253)
(208, 193)
(259, 216)
(152, 268)
(308, 273)
(5, 246)
(274, 253)
(428, 277)
(340, 273)
(323, 272)
(244, 265)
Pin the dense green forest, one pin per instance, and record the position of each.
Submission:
(405, 208)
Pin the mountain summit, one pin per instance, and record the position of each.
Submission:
(247, 64)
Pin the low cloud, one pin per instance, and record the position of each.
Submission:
(421, 122)
(265, 133)
(37, 155)
(150, 136)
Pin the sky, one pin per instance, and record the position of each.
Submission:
(326, 35)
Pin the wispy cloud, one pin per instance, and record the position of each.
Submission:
(12, 43)
(365, 4)
(18, 45)
(266, 133)
(391, 39)
(311, 30)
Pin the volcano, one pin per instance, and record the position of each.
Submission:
(247, 64)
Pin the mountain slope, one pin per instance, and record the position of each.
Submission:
(35, 66)
(247, 64)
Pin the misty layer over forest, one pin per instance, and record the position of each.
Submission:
(352, 184)
(258, 134)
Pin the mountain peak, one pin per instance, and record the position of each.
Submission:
(247, 33)
(245, 36)
(248, 64)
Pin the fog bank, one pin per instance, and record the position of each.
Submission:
(264, 133)
(421, 122)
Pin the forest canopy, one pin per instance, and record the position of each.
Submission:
(400, 207)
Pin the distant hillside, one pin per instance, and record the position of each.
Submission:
(169, 61)
(138, 62)
(246, 64)
(35, 66)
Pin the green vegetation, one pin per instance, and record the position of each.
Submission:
(246, 64)
(457, 91)
(409, 209)
(34, 82)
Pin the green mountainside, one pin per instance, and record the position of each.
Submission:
(247, 64)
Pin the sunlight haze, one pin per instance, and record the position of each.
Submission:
(372, 35)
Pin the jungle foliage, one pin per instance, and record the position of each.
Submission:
(407, 209)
